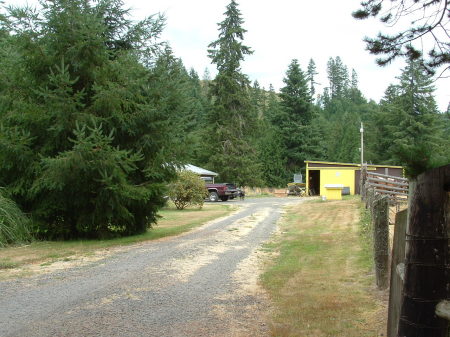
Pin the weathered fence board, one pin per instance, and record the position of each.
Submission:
(396, 283)
(386, 175)
(377, 190)
(384, 181)
(395, 188)
(427, 271)
(381, 240)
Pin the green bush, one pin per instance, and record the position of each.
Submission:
(14, 225)
(187, 190)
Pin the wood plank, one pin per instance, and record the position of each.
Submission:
(396, 284)
(390, 192)
(398, 183)
(401, 189)
(386, 176)
(381, 240)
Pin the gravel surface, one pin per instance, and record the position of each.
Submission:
(203, 283)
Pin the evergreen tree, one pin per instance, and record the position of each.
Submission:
(408, 124)
(430, 26)
(337, 76)
(295, 95)
(354, 94)
(344, 108)
(232, 119)
(271, 156)
(85, 136)
(258, 99)
(312, 72)
(383, 125)
(296, 116)
(206, 81)
(420, 144)
(273, 111)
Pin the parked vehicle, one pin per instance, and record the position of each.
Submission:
(222, 191)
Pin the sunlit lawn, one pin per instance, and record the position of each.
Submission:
(320, 278)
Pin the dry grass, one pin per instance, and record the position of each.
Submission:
(321, 281)
(45, 253)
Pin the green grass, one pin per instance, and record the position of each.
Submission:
(172, 222)
(320, 275)
(365, 231)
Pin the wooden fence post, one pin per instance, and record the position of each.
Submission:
(397, 267)
(381, 240)
(370, 194)
(362, 182)
(427, 274)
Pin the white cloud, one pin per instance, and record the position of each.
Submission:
(279, 31)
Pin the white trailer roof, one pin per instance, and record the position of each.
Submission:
(199, 170)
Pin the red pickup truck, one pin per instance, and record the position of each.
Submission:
(222, 191)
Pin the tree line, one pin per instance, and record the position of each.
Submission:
(97, 114)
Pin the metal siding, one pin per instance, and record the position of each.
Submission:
(337, 176)
(311, 165)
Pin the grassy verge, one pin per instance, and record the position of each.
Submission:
(172, 222)
(321, 280)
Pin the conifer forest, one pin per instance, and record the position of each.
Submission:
(97, 114)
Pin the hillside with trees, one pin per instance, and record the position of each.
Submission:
(97, 114)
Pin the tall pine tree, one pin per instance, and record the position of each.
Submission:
(86, 139)
(232, 119)
(312, 72)
(297, 113)
(408, 126)
(419, 141)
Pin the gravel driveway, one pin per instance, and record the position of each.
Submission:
(203, 283)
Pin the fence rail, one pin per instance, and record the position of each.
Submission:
(396, 188)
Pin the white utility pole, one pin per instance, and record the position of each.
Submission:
(361, 130)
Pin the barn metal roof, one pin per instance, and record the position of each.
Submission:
(348, 164)
(199, 170)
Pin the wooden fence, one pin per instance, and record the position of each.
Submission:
(396, 188)
(419, 287)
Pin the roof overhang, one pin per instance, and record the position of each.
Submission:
(199, 170)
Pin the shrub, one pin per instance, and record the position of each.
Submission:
(187, 190)
(92, 193)
(14, 225)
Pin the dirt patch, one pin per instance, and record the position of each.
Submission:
(225, 240)
(250, 318)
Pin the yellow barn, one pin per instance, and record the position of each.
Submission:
(331, 180)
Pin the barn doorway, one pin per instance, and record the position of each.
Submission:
(314, 182)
